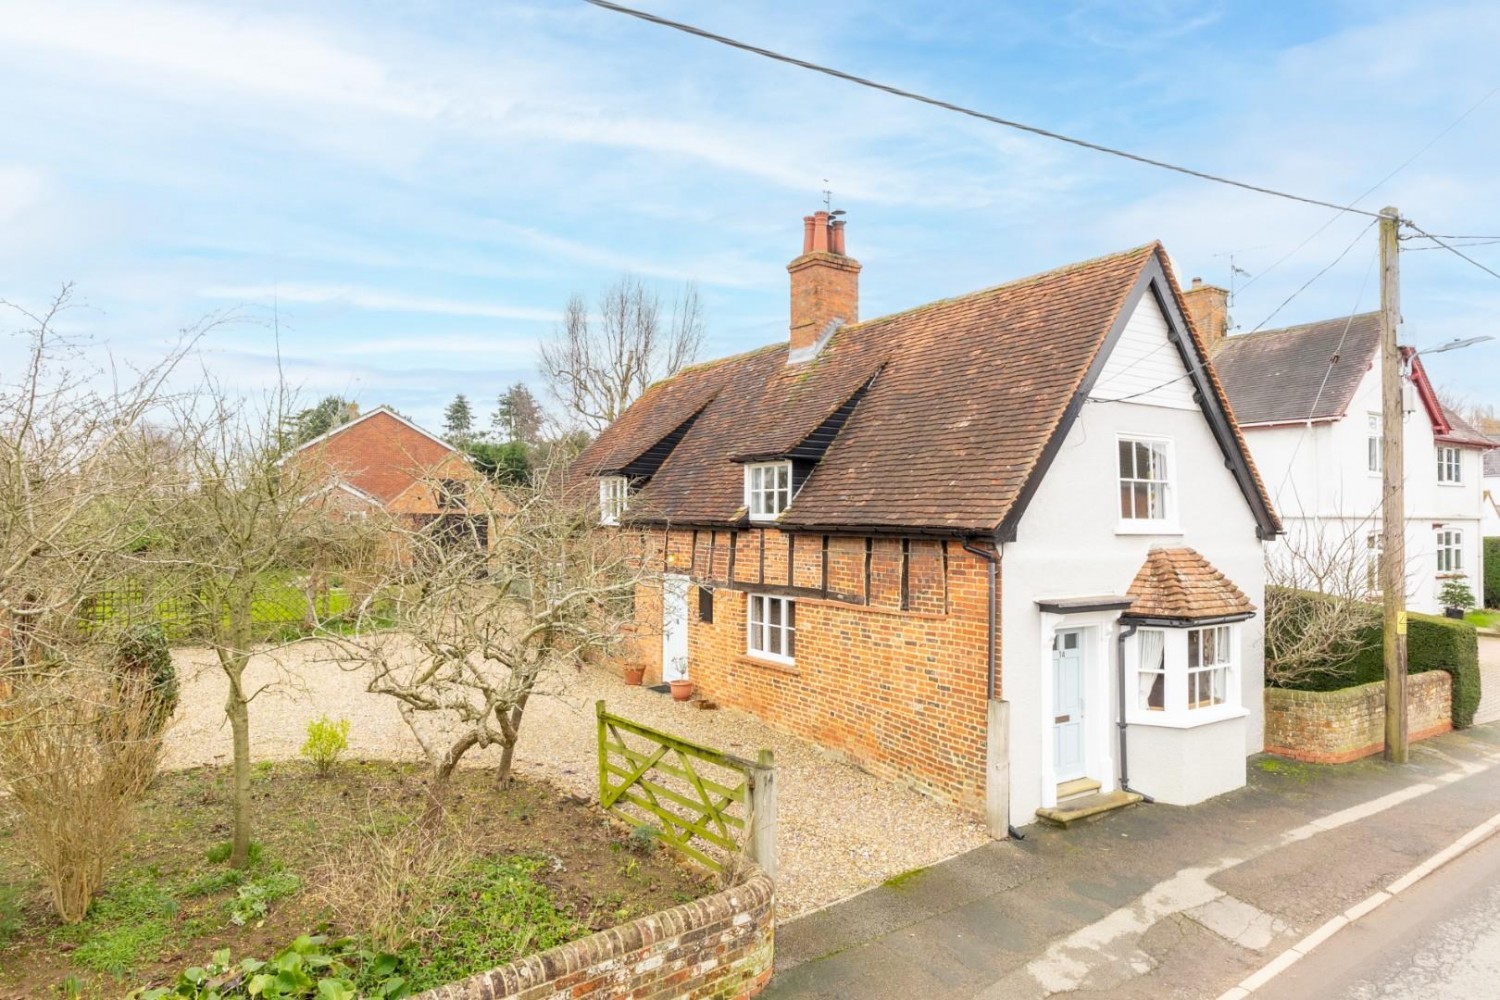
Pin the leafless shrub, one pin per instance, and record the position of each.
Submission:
(77, 748)
(392, 885)
(1318, 586)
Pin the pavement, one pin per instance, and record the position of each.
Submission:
(1153, 902)
(1489, 679)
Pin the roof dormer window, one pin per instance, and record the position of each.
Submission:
(768, 489)
(614, 494)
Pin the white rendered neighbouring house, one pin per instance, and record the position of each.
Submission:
(982, 545)
(1489, 523)
(1308, 401)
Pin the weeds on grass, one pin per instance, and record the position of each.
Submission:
(10, 913)
(253, 899)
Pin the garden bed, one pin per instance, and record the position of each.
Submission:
(541, 867)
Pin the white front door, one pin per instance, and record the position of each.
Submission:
(1067, 704)
(674, 623)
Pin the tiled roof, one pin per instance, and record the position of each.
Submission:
(1299, 373)
(967, 394)
(1492, 461)
(1180, 583)
(1460, 431)
(379, 454)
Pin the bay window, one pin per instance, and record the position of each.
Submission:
(1186, 676)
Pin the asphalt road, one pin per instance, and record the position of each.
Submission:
(1440, 938)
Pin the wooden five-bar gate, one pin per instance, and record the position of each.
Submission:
(708, 804)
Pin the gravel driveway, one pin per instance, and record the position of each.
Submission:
(1489, 679)
(840, 830)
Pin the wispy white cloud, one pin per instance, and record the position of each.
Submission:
(376, 299)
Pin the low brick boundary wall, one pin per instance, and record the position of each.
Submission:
(720, 946)
(1333, 727)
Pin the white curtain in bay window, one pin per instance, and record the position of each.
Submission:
(1152, 676)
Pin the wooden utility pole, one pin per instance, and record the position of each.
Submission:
(1393, 501)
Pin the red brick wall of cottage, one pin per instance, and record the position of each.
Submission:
(889, 667)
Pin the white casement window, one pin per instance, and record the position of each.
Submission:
(1152, 672)
(768, 489)
(1450, 551)
(772, 628)
(1450, 465)
(614, 494)
(1146, 488)
(1209, 661)
(1186, 677)
(1373, 444)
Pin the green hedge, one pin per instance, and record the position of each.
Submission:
(1432, 643)
(1492, 573)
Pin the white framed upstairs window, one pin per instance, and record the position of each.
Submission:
(768, 489)
(1374, 442)
(771, 627)
(614, 496)
(1450, 550)
(1450, 465)
(1148, 501)
(1374, 554)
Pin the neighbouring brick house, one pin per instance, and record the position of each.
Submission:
(956, 542)
(385, 461)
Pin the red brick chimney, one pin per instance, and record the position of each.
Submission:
(825, 286)
(1208, 307)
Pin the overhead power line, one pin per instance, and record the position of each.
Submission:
(970, 112)
(1308, 283)
(1453, 249)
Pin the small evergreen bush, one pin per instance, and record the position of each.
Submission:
(326, 742)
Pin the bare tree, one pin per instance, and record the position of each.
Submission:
(242, 520)
(597, 369)
(79, 738)
(477, 630)
(1319, 586)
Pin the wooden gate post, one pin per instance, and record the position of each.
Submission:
(997, 770)
(761, 807)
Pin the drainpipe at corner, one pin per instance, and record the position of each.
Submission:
(1124, 631)
(997, 761)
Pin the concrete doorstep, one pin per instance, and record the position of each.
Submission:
(1154, 900)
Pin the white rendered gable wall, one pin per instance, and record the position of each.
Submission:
(1145, 366)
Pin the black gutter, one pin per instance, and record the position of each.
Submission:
(1139, 620)
(993, 560)
(1127, 629)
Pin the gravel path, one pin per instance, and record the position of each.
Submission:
(840, 829)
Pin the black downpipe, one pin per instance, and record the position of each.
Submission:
(1127, 629)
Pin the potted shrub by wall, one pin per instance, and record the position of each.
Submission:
(1456, 598)
(635, 673)
(682, 690)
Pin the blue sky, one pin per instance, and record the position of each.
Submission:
(419, 186)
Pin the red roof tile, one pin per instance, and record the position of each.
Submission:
(967, 393)
(1180, 583)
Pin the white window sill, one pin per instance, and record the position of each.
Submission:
(1449, 482)
(764, 518)
(772, 658)
(1148, 528)
(1186, 719)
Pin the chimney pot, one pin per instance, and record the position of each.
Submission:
(825, 285)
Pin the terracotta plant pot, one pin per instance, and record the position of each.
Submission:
(682, 690)
(634, 675)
